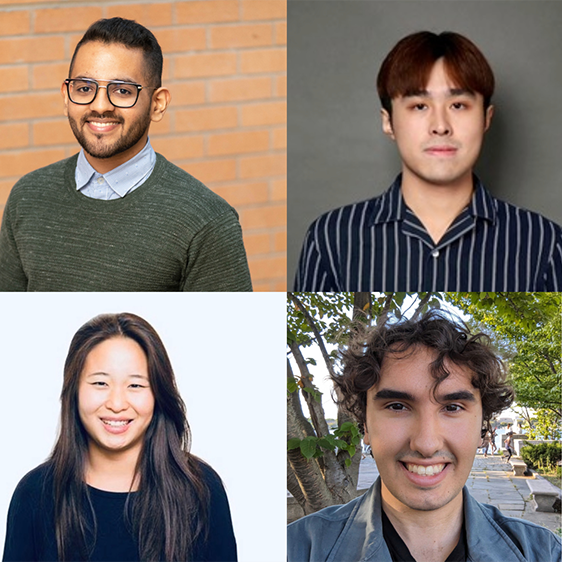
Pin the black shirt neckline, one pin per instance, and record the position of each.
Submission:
(399, 551)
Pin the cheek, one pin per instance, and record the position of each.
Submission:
(87, 402)
(384, 434)
(145, 406)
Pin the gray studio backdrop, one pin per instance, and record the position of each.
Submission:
(337, 151)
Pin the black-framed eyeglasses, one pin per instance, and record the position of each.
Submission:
(83, 91)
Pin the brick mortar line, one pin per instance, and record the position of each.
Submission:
(32, 34)
(79, 4)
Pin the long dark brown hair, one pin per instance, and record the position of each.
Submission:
(169, 510)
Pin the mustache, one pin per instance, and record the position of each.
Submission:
(101, 116)
(415, 455)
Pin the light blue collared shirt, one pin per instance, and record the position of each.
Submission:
(119, 181)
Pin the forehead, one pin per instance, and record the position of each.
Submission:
(118, 353)
(410, 371)
(436, 80)
(109, 62)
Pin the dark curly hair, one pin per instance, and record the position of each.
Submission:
(363, 358)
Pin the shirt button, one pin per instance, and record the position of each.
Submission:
(100, 180)
(435, 253)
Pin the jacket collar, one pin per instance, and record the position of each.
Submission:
(390, 206)
(362, 538)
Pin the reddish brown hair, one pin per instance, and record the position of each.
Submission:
(405, 70)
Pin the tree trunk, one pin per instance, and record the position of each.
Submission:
(315, 492)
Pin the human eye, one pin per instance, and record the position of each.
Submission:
(123, 90)
(98, 384)
(137, 385)
(419, 106)
(460, 104)
(395, 407)
(84, 87)
(453, 408)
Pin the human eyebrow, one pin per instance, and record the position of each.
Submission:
(463, 395)
(136, 376)
(453, 92)
(391, 394)
(122, 79)
(417, 94)
(461, 92)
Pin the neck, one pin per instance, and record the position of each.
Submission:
(429, 535)
(436, 205)
(105, 165)
(110, 471)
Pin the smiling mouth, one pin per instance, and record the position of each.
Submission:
(116, 423)
(430, 470)
(103, 124)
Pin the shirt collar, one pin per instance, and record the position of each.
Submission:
(122, 178)
(390, 206)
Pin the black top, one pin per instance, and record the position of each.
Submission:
(381, 245)
(399, 551)
(31, 525)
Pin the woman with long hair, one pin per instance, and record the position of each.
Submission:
(120, 483)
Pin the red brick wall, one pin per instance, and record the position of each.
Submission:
(225, 65)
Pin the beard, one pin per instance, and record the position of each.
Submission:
(102, 149)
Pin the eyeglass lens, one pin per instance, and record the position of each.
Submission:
(120, 95)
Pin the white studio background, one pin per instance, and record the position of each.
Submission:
(228, 355)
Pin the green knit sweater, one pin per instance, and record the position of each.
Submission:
(170, 234)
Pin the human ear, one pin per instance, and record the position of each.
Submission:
(387, 123)
(160, 101)
(488, 117)
(64, 93)
(366, 438)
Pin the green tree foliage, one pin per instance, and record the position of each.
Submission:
(527, 331)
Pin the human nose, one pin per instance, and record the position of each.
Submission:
(116, 400)
(427, 438)
(101, 103)
(440, 123)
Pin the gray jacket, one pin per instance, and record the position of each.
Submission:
(353, 533)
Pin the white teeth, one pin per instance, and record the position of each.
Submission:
(425, 470)
(115, 423)
(98, 124)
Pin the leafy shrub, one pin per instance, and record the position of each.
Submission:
(543, 455)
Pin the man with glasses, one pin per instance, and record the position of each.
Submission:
(118, 216)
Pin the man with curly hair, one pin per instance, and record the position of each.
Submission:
(423, 390)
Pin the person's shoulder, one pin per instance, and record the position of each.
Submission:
(34, 482)
(526, 534)
(335, 515)
(183, 184)
(359, 212)
(208, 474)
(506, 209)
(45, 174)
(313, 537)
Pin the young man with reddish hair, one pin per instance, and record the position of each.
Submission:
(423, 391)
(437, 227)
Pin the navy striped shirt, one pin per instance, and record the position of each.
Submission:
(380, 245)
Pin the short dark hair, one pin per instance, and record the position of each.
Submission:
(130, 34)
(405, 70)
(363, 358)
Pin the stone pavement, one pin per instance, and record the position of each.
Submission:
(490, 481)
